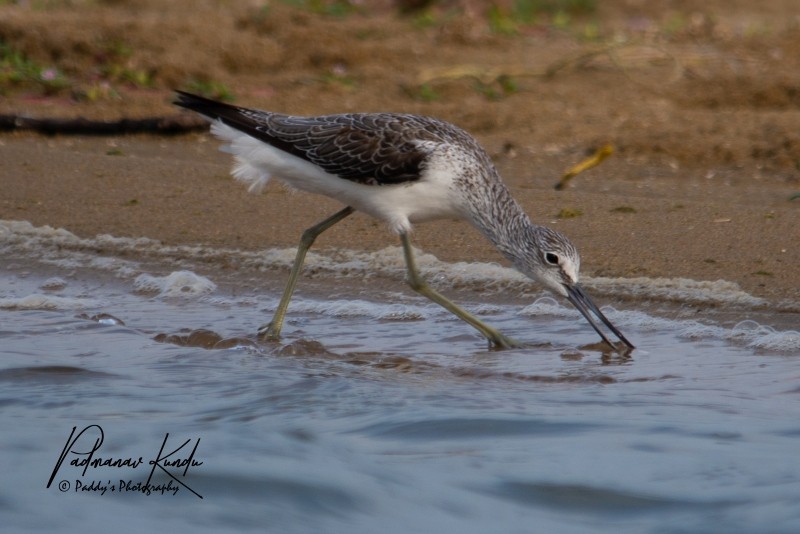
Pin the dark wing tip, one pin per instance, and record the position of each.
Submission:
(189, 100)
(200, 104)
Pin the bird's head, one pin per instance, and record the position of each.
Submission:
(549, 258)
(552, 260)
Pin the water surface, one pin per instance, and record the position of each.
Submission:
(377, 412)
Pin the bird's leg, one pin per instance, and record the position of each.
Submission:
(272, 331)
(416, 282)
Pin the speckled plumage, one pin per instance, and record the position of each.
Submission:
(402, 169)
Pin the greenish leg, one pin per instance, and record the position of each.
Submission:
(272, 331)
(416, 282)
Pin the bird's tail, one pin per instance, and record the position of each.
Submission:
(231, 124)
(211, 109)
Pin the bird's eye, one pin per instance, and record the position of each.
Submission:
(551, 258)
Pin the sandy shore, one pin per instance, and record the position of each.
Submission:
(634, 222)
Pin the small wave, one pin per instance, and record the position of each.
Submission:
(61, 247)
(344, 308)
(102, 318)
(176, 284)
(749, 333)
(683, 290)
(50, 373)
(765, 337)
(38, 301)
(547, 306)
(55, 283)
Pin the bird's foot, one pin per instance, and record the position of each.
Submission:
(269, 332)
(498, 341)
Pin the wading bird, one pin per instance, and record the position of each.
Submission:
(401, 169)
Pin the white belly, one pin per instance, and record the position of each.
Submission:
(430, 197)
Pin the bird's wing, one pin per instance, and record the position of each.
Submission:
(370, 148)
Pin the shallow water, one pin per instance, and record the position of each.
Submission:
(377, 412)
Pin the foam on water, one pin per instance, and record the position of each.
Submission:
(683, 290)
(175, 284)
(363, 308)
(55, 283)
(38, 301)
(748, 332)
(62, 248)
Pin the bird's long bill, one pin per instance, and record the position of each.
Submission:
(581, 300)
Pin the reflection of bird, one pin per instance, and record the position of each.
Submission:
(401, 169)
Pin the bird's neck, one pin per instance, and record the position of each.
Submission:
(501, 219)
